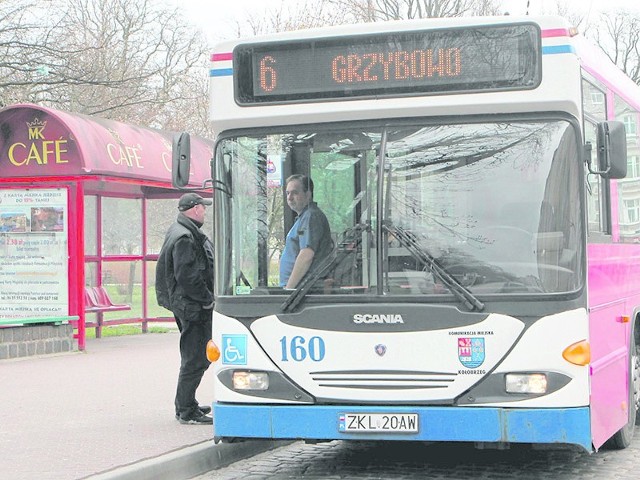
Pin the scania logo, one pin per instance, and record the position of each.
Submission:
(377, 318)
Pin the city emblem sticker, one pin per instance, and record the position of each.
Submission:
(471, 351)
(234, 349)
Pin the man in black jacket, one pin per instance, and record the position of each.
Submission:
(184, 285)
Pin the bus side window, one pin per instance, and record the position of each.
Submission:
(628, 194)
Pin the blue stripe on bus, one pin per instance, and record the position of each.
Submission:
(220, 72)
(558, 49)
(457, 424)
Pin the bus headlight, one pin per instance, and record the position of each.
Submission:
(526, 383)
(244, 380)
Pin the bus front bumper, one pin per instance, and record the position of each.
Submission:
(454, 424)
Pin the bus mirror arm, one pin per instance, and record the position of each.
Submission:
(586, 152)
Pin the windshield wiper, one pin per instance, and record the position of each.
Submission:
(459, 291)
(349, 243)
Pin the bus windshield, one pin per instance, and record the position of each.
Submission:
(491, 206)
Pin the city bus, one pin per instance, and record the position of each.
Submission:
(480, 180)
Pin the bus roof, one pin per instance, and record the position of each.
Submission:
(546, 22)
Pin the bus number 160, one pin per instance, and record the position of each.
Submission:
(297, 348)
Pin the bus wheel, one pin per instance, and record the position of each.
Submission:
(622, 438)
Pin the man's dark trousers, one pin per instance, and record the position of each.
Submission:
(194, 335)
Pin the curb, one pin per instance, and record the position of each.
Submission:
(190, 461)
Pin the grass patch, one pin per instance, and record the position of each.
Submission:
(120, 330)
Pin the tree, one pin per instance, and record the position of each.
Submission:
(615, 32)
(20, 53)
(309, 14)
(378, 10)
(135, 61)
(618, 35)
(131, 60)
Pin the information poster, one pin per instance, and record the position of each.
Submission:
(33, 253)
(274, 171)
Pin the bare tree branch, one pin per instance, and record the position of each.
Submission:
(381, 10)
(618, 34)
(131, 60)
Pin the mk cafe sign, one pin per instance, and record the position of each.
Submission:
(38, 149)
(40, 144)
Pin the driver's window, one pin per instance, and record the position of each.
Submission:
(595, 187)
(594, 104)
(341, 166)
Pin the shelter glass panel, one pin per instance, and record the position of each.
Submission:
(153, 309)
(161, 213)
(90, 225)
(123, 282)
(121, 226)
(91, 274)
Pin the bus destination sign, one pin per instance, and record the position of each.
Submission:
(474, 59)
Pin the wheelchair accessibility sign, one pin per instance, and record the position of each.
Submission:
(234, 349)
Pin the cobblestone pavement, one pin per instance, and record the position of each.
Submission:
(400, 460)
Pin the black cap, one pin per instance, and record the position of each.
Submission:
(190, 200)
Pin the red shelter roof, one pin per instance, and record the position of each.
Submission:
(37, 141)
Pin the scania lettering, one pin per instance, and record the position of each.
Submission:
(366, 318)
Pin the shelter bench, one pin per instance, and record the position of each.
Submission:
(97, 300)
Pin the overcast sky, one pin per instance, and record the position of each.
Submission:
(219, 19)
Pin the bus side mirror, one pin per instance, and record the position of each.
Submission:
(181, 160)
(611, 150)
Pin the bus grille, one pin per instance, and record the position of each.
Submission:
(383, 379)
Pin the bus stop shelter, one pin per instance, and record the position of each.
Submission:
(84, 206)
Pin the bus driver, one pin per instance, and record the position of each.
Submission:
(309, 240)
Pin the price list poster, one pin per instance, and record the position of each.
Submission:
(33, 253)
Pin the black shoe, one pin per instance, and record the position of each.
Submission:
(196, 420)
(204, 409)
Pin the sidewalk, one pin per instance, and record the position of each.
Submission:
(74, 415)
